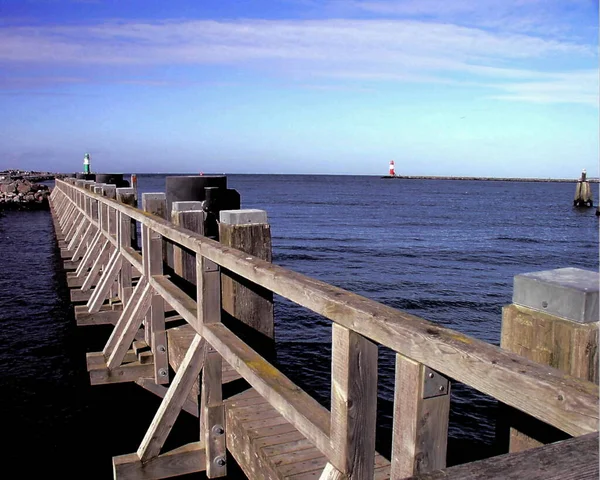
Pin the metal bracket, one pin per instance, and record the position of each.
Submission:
(434, 384)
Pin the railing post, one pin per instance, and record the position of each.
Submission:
(421, 409)
(553, 320)
(126, 196)
(156, 336)
(249, 231)
(187, 215)
(212, 416)
(353, 403)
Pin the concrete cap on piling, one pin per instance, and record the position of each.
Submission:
(186, 206)
(248, 216)
(125, 191)
(568, 293)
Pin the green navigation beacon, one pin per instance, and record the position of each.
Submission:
(86, 163)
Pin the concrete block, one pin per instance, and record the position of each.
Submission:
(249, 216)
(186, 206)
(568, 293)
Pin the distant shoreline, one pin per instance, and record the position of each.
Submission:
(490, 179)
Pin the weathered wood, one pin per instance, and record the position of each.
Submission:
(569, 346)
(132, 325)
(420, 429)
(106, 316)
(173, 401)
(99, 262)
(253, 308)
(138, 293)
(160, 390)
(97, 360)
(187, 215)
(299, 408)
(353, 403)
(107, 280)
(214, 416)
(183, 460)
(85, 242)
(128, 372)
(331, 473)
(90, 254)
(573, 459)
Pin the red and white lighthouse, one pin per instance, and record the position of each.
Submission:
(392, 171)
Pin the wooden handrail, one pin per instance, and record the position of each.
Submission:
(543, 392)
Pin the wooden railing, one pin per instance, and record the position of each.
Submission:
(99, 230)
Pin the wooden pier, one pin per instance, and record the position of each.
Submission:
(250, 411)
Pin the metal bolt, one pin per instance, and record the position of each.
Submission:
(442, 388)
(220, 461)
(162, 372)
(430, 375)
(218, 430)
(162, 349)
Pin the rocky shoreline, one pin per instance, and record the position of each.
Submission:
(23, 195)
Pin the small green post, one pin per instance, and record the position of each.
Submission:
(86, 163)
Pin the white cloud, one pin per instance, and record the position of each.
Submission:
(390, 50)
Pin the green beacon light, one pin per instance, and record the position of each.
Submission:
(86, 163)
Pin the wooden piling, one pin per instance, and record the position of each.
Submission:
(553, 320)
(248, 231)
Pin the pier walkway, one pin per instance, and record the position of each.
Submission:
(248, 409)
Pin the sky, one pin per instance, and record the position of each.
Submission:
(501, 88)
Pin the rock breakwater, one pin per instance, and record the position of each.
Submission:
(23, 194)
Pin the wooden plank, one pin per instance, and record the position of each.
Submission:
(96, 359)
(104, 317)
(173, 401)
(138, 293)
(107, 280)
(183, 460)
(85, 240)
(353, 403)
(420, 429)
(92, 275)
(573, 459)
(128, 372)
(299, 408)
(90, 254)
(134, 321)
(184, 263)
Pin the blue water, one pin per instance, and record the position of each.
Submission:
(444, 250)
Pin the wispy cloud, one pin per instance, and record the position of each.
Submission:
(400, 50)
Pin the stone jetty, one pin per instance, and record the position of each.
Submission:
(23, 194)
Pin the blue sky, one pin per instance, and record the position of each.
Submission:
(456, 87)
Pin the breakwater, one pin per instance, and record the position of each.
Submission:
(489, 179)
(93, 223)
(23, 194)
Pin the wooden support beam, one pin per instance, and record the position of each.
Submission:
(139, 292)
(107, 280)
(96, 359)
(94, 272)
(183, 460)
(106, 316)
(128, 372)
(173, 401)
(332, 473)
(187, 215)
(353, 403)
(132, 325)
(421, 409)
(90, 254)
(85, 241)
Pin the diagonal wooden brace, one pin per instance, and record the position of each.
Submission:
(176, 396)
(106, 282)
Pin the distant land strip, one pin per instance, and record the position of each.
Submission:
(490, 179)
